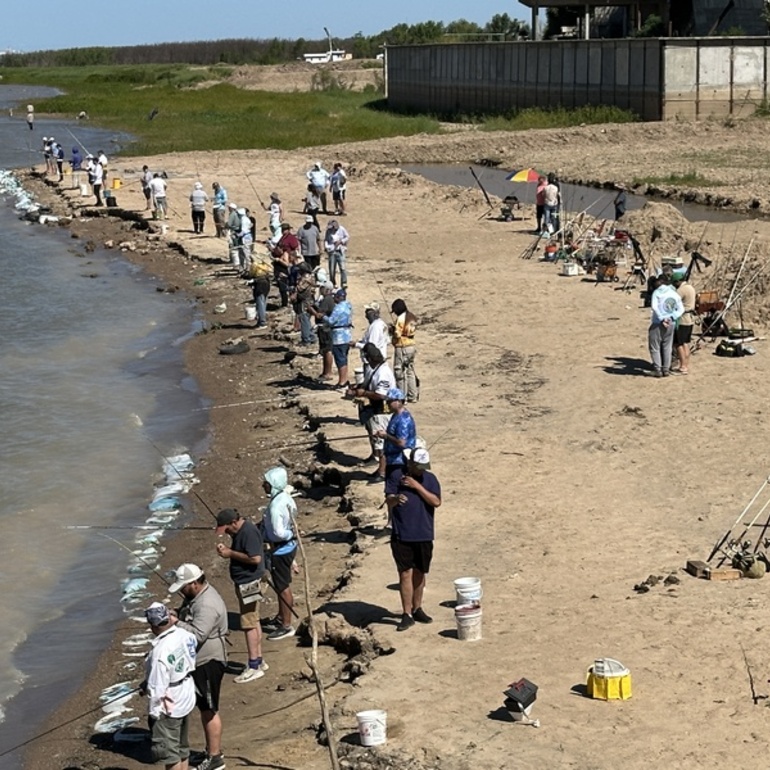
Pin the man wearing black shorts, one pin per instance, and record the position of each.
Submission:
(204, 614)
(412, 496)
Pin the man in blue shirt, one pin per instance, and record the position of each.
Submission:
(340, 323)
(401, 433)
(412, 496)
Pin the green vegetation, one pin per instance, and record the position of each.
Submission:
(220, 117)
(535, 117)
(691, 178)
(192, 114)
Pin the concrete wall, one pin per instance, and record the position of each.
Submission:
(714, 77)
(657, 79)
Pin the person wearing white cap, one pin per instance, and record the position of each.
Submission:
(319, 178)
(377, 332)
(233, 225)
(309, 237)
(204, 614)
(412, 496)
(336, 241)
(169, 687)
(198, 201)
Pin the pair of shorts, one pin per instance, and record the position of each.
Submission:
(208, 683)
(412, 555)
(376, 423)
(170, 742)
(340, 353)
(324, 339)
(338, 195)
(249, 612)
(682, 335)
(280, 569)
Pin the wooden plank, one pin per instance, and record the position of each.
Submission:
(725, 574)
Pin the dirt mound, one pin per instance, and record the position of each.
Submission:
(662, 231)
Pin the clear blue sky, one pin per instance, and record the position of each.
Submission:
(47, 24)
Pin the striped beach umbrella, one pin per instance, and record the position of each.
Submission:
(524, 175)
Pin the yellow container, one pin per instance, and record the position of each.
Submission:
(608, 687)
(116, 183)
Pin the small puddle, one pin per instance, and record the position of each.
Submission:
(597, 202)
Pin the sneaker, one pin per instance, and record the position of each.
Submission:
(196, 757)
(407, 621)
(272, 624)
(420, 616)
(217, 762)
(375, 478)
(281, 633)
(250, 674)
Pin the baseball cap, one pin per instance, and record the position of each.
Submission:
(332, 223)
(285, 226)
(394, 394)
(157, 614)
(184, 574)
(420, 458)
(225, 517)
(341, 294)
(328, 285)
(233, 205)
(373, 306)
(308, 218)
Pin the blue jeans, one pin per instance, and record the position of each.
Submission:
(261, 301)
(306, 328)
(338, 258)
(551, 217)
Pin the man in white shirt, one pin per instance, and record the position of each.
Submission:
(667, 308)
(552, 196)
(319, 177)
(377, 333)
(336, 246)
(169, 687)
(158, 193)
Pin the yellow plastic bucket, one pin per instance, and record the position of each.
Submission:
(608, 687)
(116, 183)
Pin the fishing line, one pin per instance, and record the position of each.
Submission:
(136, 556)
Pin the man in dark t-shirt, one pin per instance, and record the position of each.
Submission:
(412, 496)
(247, 567)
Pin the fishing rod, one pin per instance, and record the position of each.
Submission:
(134, 528)
(67, 722)
(248, 179)
(478, 182)
(136, 556)
(178, 473)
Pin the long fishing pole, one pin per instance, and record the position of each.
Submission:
(178, 473)
(67, 722)
(136, 556)
(248, 179)
(135, 527)
(478, 182)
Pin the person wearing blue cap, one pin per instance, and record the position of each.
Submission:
(169, 687)
(340, 323)
(401, 433)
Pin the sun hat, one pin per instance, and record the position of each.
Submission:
(394, 394)
(285, 226)
(373, 306)
(233, 205)
(274, 196)
(198, 186)
(184, 574)
(226, 517)
(157, 614)
(308, 218)
(420, 458)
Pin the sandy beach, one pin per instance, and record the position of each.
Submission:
(568, 474)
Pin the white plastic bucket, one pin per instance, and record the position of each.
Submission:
(372, 727)
(84, 191)
(468, 590)
(164, 229)
(468, 621)
(235, 257)
(251, 313)
(358, 374)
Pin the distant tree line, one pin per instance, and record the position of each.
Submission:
(275, 51)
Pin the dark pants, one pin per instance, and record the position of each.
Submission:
(198, 218)
(98, 194)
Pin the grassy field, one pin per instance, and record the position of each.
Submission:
(189, 116)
